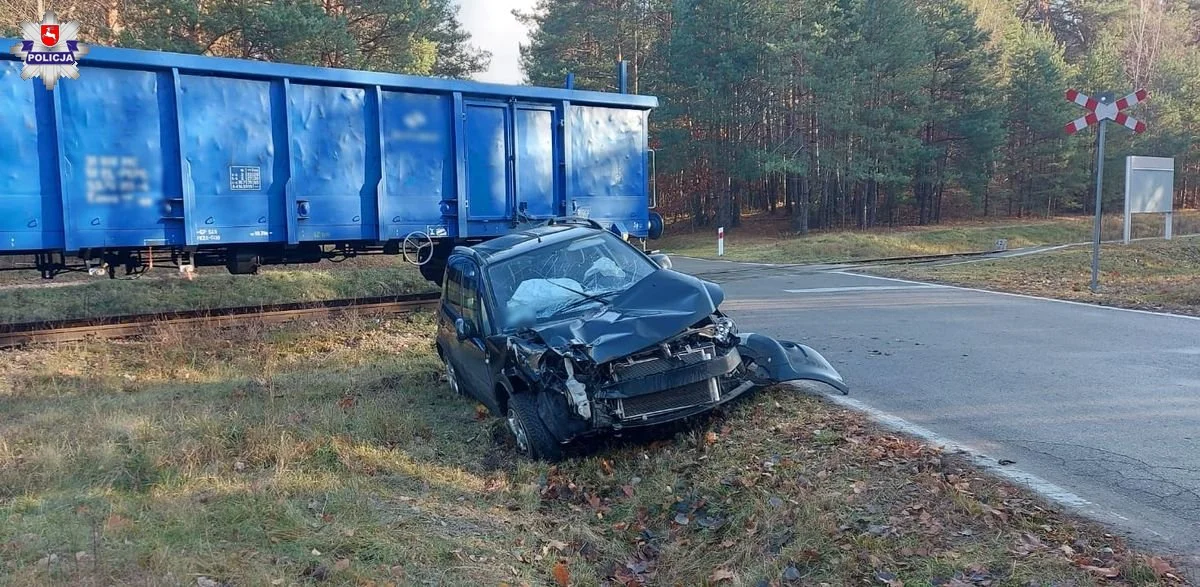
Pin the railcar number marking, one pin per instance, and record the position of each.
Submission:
(245, 178)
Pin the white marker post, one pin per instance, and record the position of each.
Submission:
(721, 241)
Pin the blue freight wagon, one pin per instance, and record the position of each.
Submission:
(160, 158)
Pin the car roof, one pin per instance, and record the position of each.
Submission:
(518, 243)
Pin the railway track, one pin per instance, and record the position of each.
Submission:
(13, 335)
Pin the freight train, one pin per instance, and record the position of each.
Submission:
(153, 158)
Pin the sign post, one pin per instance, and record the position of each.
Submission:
(721, 242)
(1098, 225)
(1101, 110)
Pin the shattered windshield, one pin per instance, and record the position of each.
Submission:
(565, 279)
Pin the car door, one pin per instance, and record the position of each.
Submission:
(450, 311)
(476, 366)
(461, 300)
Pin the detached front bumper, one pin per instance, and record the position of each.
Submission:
(773, 361)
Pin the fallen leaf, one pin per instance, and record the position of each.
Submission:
(606, 467)
(561, 575)
(346, 402)
(710, 437)
(719, 575)
(860, 486)
(1160, 567)
(1106, 572)
(557, 545)
(481, 412)
(341, 564)
(681, 519)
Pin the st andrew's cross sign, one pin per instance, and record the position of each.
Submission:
(1102, 109)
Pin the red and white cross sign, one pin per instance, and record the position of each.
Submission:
(1101, 111)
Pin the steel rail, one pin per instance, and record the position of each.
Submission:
(12, 335)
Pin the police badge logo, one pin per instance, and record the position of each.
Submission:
(51, 50)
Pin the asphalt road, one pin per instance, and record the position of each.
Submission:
(1100, 402)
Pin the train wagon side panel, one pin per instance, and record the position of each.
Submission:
(233, 144)
(31, 215)
(419, 185)
(608, 176)
(116, 130)
(335, 162)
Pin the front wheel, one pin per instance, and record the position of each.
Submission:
(532, 438)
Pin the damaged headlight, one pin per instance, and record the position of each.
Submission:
(725, 328)
(719, 328)
(530, 355)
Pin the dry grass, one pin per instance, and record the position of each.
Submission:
(212, 288)
(332, 451)
(769, 240)
(1148, 275)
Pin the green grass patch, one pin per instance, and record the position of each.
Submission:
(768, 240)
(334, 452)
(1147, 275)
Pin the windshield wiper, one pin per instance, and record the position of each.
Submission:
(576, 292)
(587, 298)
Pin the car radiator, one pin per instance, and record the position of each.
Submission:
(658, 385)
(653, 404)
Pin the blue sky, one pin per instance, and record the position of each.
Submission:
(493, 28)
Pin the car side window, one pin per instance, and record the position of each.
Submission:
(473, 307)
(453, 294)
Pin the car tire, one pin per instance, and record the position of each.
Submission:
(532, 437)
(453, 380)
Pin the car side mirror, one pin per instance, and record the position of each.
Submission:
(662, 260)
(464, 329)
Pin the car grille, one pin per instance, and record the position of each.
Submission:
(694, 394)
(626, 371)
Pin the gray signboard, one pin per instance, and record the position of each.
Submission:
(1149, 189)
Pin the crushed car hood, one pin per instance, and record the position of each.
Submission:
(656, 308)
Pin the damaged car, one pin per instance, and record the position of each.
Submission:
(568, 331)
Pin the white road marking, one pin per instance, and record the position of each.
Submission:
(1017, 295)
(862, 288)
